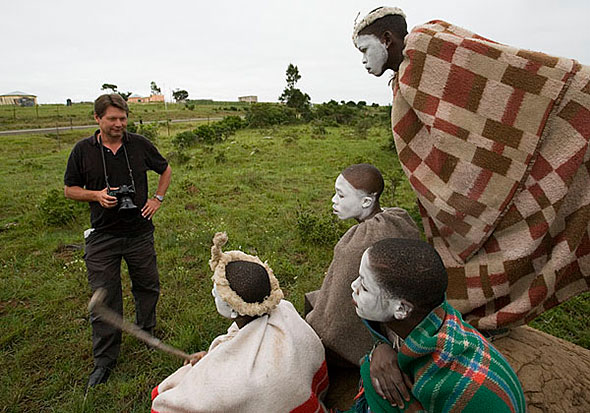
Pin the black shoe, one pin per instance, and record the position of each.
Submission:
(99, 375)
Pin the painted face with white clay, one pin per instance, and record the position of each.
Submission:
(368, 297)
(374, 52)
(349, 202)
(223, 308)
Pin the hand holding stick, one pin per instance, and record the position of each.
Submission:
(97, 306)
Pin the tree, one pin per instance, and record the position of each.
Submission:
(292, 96)
(180, 95)
(113, 88)
(155, 89)
(125, 95)
(110, 86)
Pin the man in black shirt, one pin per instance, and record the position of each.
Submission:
(110, 161)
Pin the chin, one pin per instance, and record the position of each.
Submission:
(378, 74)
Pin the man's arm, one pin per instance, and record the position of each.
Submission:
(152, 204)
(78, 193)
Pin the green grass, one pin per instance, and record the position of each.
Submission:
(52, 115)
(257, 186)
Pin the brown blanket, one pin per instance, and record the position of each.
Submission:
(333, 316)
(494, 141)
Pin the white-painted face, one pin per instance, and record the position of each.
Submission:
(374, 53)
(349, 202)
(368, 297)
(223, 308)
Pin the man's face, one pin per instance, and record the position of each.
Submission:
(347, 202)
(223, 308)
(113, 123)
(369, 299)
(374, 52)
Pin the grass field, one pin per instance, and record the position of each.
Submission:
(52, 115)
(263, 186)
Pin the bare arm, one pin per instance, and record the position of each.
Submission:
(78, 193)
(164, 181)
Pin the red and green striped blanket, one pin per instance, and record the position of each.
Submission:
(453, 368)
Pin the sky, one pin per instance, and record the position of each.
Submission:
(62, 49)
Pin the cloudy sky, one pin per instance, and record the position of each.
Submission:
(220, 50)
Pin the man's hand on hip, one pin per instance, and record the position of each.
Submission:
(150, 208)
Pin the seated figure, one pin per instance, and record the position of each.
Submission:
(270, 360)
(447, 364)
(332, 314)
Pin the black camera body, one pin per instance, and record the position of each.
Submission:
(124, 196)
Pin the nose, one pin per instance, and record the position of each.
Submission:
(213, 292)
(334, 199)
(364, 59)
(354, 285)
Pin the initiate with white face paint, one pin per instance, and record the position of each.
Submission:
(374, 52)
(368, 297)
(223, 308)
(350, 202)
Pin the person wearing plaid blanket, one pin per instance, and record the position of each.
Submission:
(495, 143)
(447, 364)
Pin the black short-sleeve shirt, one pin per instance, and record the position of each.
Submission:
(85, 169)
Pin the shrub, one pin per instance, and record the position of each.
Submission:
(318, 129)
(57, 210)
(268, 114)
(318, 229)
(131, 127)
(334, 113)
(209, 134)
(149, 130)
(362, 127)
(184, 139)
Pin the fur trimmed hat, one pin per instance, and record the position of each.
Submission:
(375, 15)
(218, 262)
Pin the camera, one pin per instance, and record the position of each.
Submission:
(124, 194)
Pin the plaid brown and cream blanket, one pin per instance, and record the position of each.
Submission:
(494, 141)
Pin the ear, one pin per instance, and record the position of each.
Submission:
(367, 202)
(387, 38)
(96, 118)
(402, 309)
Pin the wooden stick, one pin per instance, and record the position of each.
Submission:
(97, 306)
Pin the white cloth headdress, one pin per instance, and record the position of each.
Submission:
(374, 15)
(220, 259)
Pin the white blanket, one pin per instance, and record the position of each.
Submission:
(275, 363)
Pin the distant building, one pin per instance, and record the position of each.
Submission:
(135, 98)
(18, 98)
(249, 99)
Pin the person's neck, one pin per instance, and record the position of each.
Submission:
(374, 211)
(113, 143)
(403, 328)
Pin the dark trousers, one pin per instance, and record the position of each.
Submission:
(103, 255)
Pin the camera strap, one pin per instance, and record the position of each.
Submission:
(104, 164)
